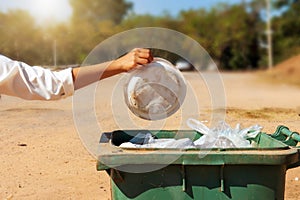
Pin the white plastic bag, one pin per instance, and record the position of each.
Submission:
(223, 136)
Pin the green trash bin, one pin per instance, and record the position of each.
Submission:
(250, 173)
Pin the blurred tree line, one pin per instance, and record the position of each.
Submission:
(234, 35)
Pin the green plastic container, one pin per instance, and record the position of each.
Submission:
(252, 173)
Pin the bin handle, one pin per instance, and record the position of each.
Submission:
(290, 138)
(286, 136)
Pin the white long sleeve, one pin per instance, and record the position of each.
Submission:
(34, 83)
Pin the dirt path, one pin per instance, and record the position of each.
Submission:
(42, 156)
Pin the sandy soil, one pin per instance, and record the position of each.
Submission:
(287, 71)
(42, 156)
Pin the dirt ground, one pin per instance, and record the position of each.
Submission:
(287, 71)
(42, 156)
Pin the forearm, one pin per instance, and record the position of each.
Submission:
(84, 76)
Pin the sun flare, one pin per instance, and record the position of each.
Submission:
(48, 9)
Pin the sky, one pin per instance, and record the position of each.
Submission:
(60, 10)
(173, 7)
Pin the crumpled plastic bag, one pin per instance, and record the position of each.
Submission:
(223, 136)
(155, 91)
(146, 140)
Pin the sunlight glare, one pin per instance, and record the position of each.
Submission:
(48, 9)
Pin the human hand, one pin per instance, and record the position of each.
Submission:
(136, 57)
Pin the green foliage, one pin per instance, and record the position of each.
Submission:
(287, 26)
(19, 37)
(92, 22)
(95, 12)
(134, 21)
(228, 33)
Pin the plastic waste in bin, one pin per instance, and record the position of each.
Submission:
(248, 173)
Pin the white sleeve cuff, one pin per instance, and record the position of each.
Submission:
(66, 78)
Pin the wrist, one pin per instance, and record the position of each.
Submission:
(117, 66)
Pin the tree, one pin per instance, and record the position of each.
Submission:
(284, 3)
(93, 21)
(228, 33)
(19, 37)
(287, 29)
(99, 10)
(134, 21)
